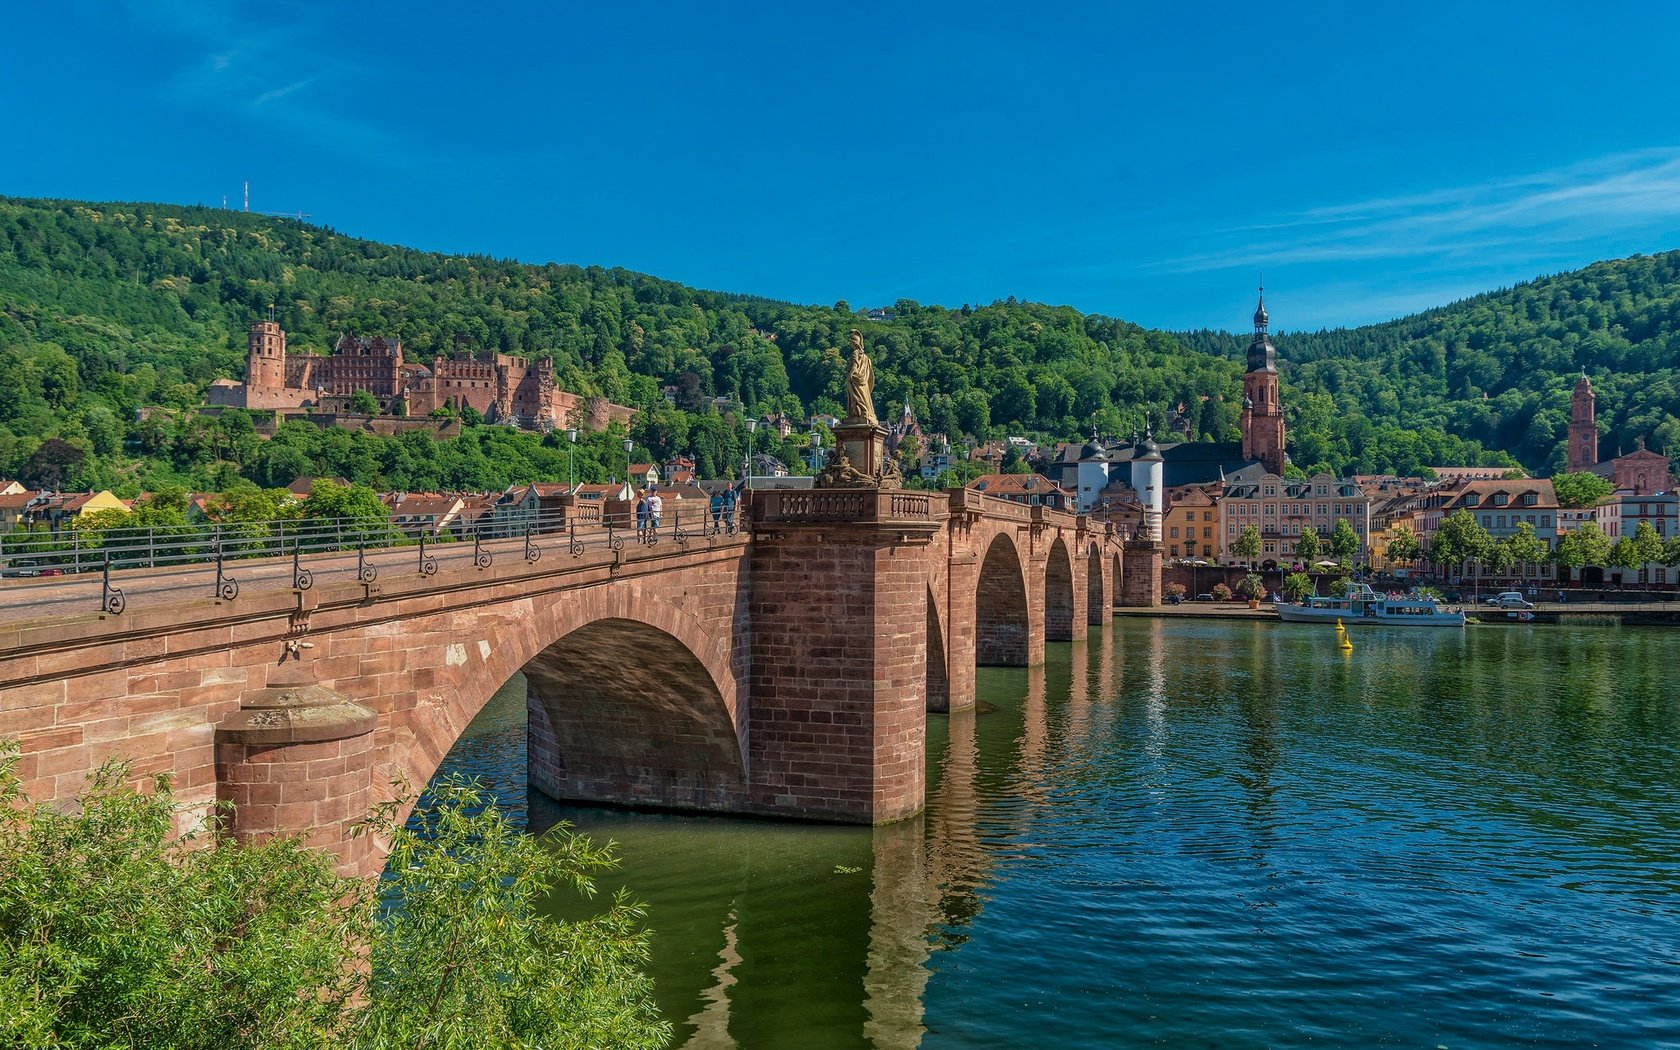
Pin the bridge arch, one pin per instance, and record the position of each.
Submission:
(938, 668)
(1096, 593)
(1058, 593)
(1002, 614)
(630, 701)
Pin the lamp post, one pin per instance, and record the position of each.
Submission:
(629, 446)
(571, 451)
(746, 459)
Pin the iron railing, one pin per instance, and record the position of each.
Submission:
(218, 560)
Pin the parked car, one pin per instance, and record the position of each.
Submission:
(1174, 599)
(1510, 600)
(1204, 597)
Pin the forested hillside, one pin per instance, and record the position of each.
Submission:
(108, 308)
(1499, 367)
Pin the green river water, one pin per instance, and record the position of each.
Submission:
(1193, 834)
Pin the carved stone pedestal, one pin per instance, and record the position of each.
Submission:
(861, 460)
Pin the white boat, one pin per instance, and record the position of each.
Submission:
(1365, 606)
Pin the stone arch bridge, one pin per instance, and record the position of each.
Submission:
(786, 671)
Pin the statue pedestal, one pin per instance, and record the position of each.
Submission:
(865, 445)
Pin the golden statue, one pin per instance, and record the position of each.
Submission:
(860, 385)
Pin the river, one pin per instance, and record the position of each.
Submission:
(1205, 834)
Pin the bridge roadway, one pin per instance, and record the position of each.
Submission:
(786, 671)
(84, 591)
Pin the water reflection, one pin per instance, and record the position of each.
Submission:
(1177, 833)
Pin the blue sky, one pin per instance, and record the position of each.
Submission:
(1146, 162)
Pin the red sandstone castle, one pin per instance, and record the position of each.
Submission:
(504, 389)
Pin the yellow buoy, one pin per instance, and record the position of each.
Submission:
(1339, 628)
(1346, 646)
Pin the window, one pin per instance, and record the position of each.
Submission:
(1530, 499)
(1531, 519)
(1271, 490)
(1175, 536)
(1545, 521)
(1500, 499)
(1207, 515)
(1207, 532)
(1500, 524)
(1487, 521)
(1662, 575)
(1271, 509)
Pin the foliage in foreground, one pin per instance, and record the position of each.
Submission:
(116, 932)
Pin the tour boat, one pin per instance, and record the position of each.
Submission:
(1365, 606)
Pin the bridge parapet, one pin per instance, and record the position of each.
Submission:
(861, 506)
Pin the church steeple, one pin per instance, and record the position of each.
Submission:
(1262, 355)
(1262, 412)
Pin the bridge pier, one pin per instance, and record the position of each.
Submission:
(298, 759)
(1140, 580)
(839, 653)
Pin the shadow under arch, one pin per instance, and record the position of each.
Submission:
(938, 672)
(1001, 623)
(1119, 578)
(1096, 590)
(1058, 593)
(631, 701)
(621, 712)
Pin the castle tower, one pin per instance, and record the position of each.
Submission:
(1262, 412)
(265, 358)
(1583, 426)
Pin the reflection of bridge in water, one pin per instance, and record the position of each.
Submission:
(786, 671)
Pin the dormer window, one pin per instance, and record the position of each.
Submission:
(1471, 499)
(1530, 498)
(1500, 499)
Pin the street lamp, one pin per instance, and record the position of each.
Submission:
(571, 450)
(629, 446)
(746, 459)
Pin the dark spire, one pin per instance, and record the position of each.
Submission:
(1262, 356)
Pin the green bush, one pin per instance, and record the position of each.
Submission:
(117, 932)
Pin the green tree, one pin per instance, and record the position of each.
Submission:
(116, 933)
(1247, 545)
(1624, 554)
(1581, 489)
(1460, 539)
(364, 403)
(1297, 585)
(465, 957)
(1526, 546)
(1344, 542)
(1403, 545)
(1306, 548)
(1252, 587)
(1647, 543)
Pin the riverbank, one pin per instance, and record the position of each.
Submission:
(1568, 614)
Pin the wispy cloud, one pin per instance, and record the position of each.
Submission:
(231, 67)
(1504, 216)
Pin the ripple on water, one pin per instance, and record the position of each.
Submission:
(1210, 835)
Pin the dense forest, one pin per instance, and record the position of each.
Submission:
(1498, 368)
(107, 309)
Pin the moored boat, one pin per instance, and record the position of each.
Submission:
(1362, 605)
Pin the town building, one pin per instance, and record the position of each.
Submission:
(1622, 514)
(1189, 524)
(1031, 490)
(1151, 468)
(1284, 509)
(1501, 508)
(500, 387)
(938, 458)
